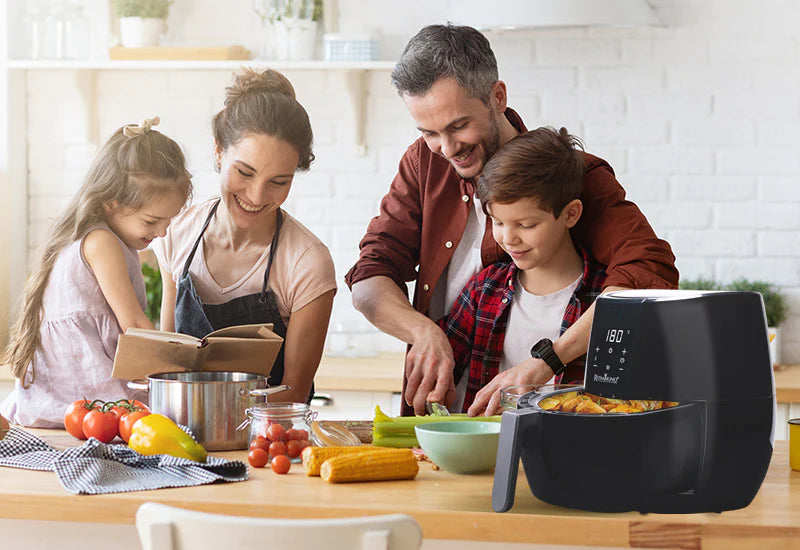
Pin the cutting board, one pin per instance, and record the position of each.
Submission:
(179, 53)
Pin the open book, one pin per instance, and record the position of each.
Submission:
(240, 348)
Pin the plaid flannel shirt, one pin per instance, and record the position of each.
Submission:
(476, 324)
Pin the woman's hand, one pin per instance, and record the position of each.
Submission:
(530, 371)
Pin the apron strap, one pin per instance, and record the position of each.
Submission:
(199, 238)
(273, 247)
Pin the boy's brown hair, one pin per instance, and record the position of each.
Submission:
(544, 164)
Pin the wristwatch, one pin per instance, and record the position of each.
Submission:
(543, 349)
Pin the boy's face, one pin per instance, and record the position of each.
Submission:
(531, 236)
(457, 126)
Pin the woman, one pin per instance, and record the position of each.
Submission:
(239, 259)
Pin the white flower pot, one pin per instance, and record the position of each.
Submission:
(295, 39)
(775, 345)
(139, 32)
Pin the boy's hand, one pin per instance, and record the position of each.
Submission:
(530, 371)
(429, 370)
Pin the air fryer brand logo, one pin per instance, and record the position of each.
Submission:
(606, 378)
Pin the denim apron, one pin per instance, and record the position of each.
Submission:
(194, 317)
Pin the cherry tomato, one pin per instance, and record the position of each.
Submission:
(260, 442)
(73, 417)
(302, 434)
(281, 464)
(276, 432)
(258, 458)
(102, 424)
(294, 448)
(127, 421)
(277, 448)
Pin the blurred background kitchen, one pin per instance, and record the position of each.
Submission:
(695, 103)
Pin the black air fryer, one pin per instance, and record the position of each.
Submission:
(709, 351)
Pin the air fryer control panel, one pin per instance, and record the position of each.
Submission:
(609, 357)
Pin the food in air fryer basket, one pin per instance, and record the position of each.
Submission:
(588, 403)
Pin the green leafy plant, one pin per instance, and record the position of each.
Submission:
(699, 284)
(157, 9)
(152, 288)
(774, 301)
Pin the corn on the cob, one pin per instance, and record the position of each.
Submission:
(313, 457)
(371, 466)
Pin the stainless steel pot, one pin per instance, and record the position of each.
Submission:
(211, 404)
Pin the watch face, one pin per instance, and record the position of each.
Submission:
(540, 347)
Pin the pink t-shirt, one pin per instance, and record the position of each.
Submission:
(302, 269)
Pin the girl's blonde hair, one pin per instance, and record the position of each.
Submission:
(135, 166)
(264, 103)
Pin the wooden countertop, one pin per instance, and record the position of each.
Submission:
(787, 384)
(382, 373)
(447, 506)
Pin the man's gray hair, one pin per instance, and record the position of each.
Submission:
(446, 51)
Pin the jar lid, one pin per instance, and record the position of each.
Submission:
(330, 434)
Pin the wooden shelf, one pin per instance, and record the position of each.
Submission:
(107, 64)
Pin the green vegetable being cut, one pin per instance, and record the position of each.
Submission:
(399, 431)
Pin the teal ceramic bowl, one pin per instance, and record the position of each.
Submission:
(460, 447)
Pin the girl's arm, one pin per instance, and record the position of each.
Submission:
(104, 255)
(168, 292)
(305, 339)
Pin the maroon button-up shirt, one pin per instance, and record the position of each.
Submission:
(425, 208)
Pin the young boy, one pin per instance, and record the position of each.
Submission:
(530, 190)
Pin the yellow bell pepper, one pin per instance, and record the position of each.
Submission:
(155, 434)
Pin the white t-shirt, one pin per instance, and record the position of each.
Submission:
(531, 318)
(465, 263)
(302, 269)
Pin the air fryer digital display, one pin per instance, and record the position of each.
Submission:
(609, 356)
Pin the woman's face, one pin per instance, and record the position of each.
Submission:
(257, 173)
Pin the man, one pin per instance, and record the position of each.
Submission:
(431, 228)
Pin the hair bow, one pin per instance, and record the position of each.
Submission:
(131, 130)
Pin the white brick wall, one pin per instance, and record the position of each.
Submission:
(701, 121)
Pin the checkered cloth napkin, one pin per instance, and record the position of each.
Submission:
(95, 468)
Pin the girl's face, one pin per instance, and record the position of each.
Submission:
(138, 228)
(257, 173)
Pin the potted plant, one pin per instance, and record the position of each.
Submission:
(141, 22)
(290, 27)
(775, 307)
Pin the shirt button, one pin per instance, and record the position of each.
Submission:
(465, 198)
(449, 244)
(504, 300)
(425, 287)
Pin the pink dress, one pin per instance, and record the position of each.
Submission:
(78, 336)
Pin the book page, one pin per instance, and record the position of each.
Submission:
(174, 337)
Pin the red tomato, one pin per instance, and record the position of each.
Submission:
(276, 432)
(258, 458)
(294, 448)
(302, 434)
(277, 448)
(123, 406)
(102, 425)
(260, 442)
(281, 464)
(127, 421)
(73, 417)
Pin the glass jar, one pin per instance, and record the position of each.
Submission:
(280, 428)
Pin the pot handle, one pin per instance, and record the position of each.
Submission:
(139, 384)
(266, 391)
(507, 461)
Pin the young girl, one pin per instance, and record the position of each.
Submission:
(87, 286)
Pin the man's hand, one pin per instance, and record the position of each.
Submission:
(429, 370)
(530, 371)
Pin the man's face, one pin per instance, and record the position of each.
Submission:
(457, 126)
